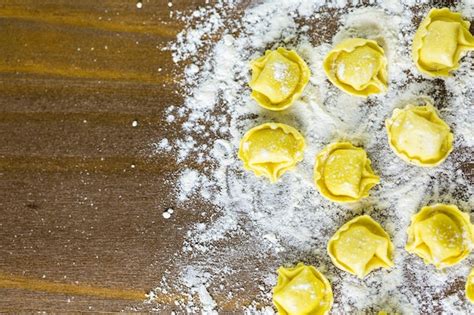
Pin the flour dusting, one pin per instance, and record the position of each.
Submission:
(256, 226)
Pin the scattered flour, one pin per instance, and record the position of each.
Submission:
(162, 146)
(257, 226)
(188, 183)
(196, 280)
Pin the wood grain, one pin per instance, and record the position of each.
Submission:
(80, 197)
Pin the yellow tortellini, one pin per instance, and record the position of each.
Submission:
(419, 136)
(440, 42)
(470, 286)
(342, 172)
(360, 246)
(271, 149)
(302, 290)
(278, 78)
(357, 66)
(440, 234)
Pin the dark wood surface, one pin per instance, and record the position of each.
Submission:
(81, 229)
(81, 197)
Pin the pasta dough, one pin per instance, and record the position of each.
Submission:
(302, 290)
(342, 172)
(419, 136)
(440, 234)
(357, 66)
(470, 286)
(441, 40)
(278, 78)
(360, 246)
(271, 149)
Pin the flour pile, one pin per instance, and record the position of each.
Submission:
(256, 226)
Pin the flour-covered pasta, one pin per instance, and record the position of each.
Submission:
(360, 246)
(271, 149)
(440, 42)
(342, 172)
(440, 234)
(302, 290)
(357, 66)
(278, 78)
(419, 136)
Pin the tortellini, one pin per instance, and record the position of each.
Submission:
(419, 136)
(271, 149)
(360, 246)
(357, 66)
(302, 290)
(440, 42)
(278, 78)
(440, 234)
(342, 172)
(470, 286)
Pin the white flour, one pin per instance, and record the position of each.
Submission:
(288, 222)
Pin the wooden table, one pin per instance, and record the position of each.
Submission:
(81, 199)
(81, 195)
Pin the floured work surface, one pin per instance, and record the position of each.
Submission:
(119, 166)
